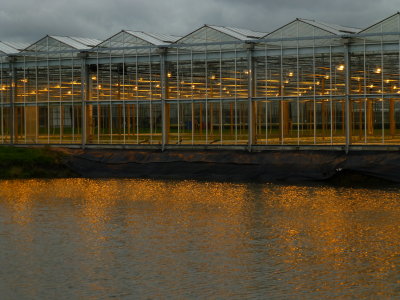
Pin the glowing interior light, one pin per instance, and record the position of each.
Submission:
(169, 74)
(317, 82)
(157, 86)
(212, 77)
(69, 92)
(371, 86)
(290, 74)
(99, 87)
(378, 70)
(193, 86)
(326, 76)
(94, 78)
(340, 68)
(24, 80)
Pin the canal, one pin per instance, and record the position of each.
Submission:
(126, 238)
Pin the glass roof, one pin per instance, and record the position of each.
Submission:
(158, 39)
(311, 32)
(128, 38)
(77, 42)
(310, 28)
(239, 33)
(59, 43)
(12, 47)
(332, 28)
(390, 24)
(212, 33)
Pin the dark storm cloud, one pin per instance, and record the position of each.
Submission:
(29, 20)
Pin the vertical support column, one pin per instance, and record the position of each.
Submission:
(88, 105)
(165, 107)
(370, 117)
(284, 113)
(347, 99)
(392, 119)
(84, 93)
(13, 94)
(252, 112)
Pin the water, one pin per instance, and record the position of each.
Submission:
(124, 239)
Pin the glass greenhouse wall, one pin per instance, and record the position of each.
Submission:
(305, 84)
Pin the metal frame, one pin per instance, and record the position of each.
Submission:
(244, 52)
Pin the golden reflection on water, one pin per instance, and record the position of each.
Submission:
(296, 240)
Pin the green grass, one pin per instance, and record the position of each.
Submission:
(18, 162)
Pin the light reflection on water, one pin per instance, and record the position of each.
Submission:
(80, 238)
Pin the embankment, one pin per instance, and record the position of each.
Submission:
(22, 163)
(267, 166)
(237, 165)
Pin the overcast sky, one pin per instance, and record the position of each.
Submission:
(29, 20)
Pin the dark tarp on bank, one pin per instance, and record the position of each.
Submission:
(233, 165)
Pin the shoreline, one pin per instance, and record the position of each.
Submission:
(35, 162)
(365, 168)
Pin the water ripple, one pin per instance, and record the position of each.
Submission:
(123, 239)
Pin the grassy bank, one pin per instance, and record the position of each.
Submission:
(32, 163)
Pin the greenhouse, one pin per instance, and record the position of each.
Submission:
(307, 84)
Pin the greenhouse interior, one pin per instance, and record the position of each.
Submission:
(305, 84)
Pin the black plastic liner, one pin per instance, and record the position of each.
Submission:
(234, 165)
